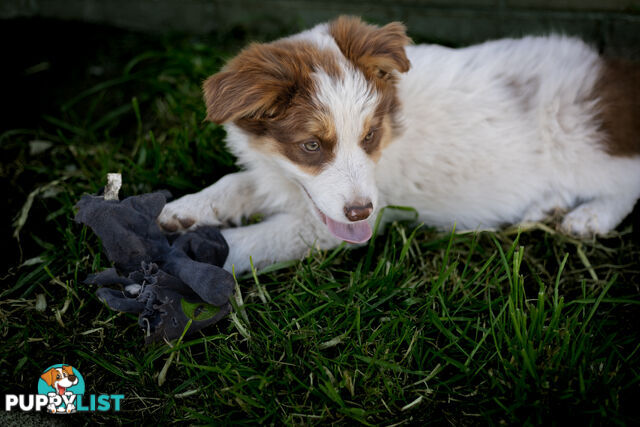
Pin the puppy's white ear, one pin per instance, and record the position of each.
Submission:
(256, 84)
(377, 51)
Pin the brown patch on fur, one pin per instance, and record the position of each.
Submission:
(301, 124)
(262, 80)
(322, 126)
(618, 90)
(269, 145)
(287, 135)
(372, 146)
(376, 51)
(385, 139)
(309, 162)
(267, 90)
(383, 136)
(386, 124)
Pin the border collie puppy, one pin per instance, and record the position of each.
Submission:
(334, 123)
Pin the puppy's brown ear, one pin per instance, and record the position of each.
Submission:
(377, 51)
(68, 369)
(256, 84)
(49, 377)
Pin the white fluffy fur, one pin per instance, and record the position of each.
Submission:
(351, 176)
(493, 134)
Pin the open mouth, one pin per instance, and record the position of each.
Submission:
(355, 232)
(61, 390)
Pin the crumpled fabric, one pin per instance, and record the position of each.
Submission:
(158, 274)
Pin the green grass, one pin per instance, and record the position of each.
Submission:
(418, 326)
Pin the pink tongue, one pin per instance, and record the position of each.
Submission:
(356, 232)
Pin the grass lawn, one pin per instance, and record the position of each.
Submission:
(419, 326)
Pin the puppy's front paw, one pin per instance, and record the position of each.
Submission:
(586, 221)
(186, 212)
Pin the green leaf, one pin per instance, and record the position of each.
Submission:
(199, 310)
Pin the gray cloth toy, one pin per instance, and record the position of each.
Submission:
(167, 279)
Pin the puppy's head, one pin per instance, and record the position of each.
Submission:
(323, 107)
(60, 378)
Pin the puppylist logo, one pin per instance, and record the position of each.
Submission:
(61, 390)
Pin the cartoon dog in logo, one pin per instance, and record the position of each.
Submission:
(60, 379)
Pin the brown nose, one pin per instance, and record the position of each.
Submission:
(72, 378)
(358, 212)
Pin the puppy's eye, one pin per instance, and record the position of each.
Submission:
(368, 137)
(311, 146)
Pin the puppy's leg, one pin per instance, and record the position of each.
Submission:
(616, 181)
(281, 237)
(598, 216)
(229, 199)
